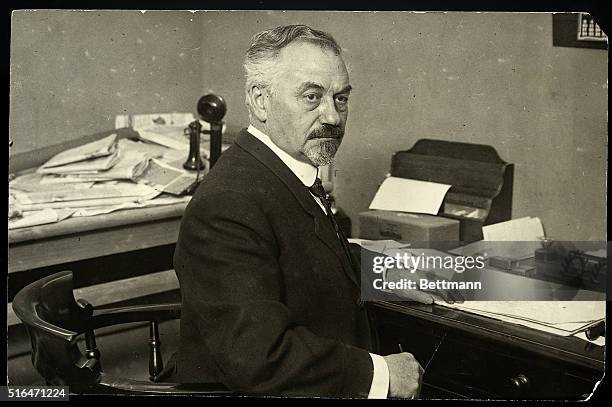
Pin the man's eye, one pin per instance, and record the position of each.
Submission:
(311, 97)
(341, 99)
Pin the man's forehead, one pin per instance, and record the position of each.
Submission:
(305, 54)
(305, 73)
(309, 62)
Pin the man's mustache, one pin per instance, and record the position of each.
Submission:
(326, 131)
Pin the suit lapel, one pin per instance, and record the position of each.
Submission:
(323, 228)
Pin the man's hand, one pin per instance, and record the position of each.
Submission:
(405, 375)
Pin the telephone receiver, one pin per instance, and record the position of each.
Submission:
(211, 108)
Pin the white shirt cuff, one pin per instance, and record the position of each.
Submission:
(380, 379)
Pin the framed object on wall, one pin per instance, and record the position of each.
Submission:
(578, 30)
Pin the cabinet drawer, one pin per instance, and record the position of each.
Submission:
(477, 369)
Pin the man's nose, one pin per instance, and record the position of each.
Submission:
(329, 113)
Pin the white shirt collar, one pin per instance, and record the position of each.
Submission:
(307, 173)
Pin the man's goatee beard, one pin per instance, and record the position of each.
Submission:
(323, 152)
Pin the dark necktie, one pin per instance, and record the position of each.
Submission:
(317, 190)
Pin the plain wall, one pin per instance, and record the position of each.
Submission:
(73, 72)
(473, 77)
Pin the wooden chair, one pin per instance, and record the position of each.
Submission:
(55, 321)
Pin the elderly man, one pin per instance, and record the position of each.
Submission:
(270, 292)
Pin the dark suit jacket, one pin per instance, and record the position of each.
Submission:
(270, 304)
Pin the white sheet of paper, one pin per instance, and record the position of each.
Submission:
(168, 137)
(87, 203)
(525, 233)
(603, 253)
(165, 200)
(71, 193)
(557, 317)
(99, 148)
(378, 246)
(41, 217)
(88, 166)
(409, 195)
(518, 230)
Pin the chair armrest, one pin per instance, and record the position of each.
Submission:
(27, 301)
(138, 313)
(33, 320)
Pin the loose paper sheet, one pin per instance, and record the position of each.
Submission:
(171, 137)
(139, 121)
(159, 201)
(408, 195)
(517, 250)
(98, 191)
(379, 246)
(164, 177)
(35, 182)
(525, 233)
(563, 318)
(517, 230)
(41, 217)
(129, 166)
(88, 166)
(150, 149)
(99, 148)
(51, 215)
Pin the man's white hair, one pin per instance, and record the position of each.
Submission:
(260, 62)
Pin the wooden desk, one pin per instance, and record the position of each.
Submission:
(484, 358)
(85, 238)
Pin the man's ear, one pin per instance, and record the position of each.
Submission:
(259, 103)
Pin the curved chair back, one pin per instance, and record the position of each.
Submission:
(54, 320)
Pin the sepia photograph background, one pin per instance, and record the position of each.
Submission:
(486, 78)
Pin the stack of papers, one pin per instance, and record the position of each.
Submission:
(564, 318)
(165, 177)
(38, 182)
(102, 160)
(129, 165)
(72, 196)
(110, 174)
(85, 153)
(98, 178)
